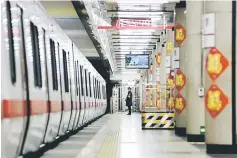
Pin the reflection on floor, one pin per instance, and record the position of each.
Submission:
(120, 136)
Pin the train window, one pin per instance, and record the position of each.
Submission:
(65, 70)
(36, 55)
(76, 76)
(96, 87)
(93, 86)
(11, 43)
(53, 65)
(78, 79)
(104, 94)
(100, 90)
(90, 84)
(86, 82)
(81, 74)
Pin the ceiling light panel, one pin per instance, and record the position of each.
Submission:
(139, 40)
(132, 47)
(135, 37)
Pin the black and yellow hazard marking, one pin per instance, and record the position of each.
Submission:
(160, 120)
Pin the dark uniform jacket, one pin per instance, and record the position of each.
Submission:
(129, 99)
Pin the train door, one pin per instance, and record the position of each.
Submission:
(72, 88)
(82, 97)
(78, 93)
(66, 96)
(90, 112)
(97, 97)
(104, 97)
(93, 96)
(54, 87)
(38, 97)
(86, 96)
(14, 83)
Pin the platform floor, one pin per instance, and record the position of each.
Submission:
(120, 136)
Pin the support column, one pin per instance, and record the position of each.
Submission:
(220, 81)
(195, 109)
(181, 110)
(162, 50)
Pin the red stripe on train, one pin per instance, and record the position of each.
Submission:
(17, 108)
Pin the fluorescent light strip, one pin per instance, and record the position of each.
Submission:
(134, 37)
(142, 2)
(138, 40)
(133, 50)
(134, 44)
(140, 13)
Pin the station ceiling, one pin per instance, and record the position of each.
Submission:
(74, 19)
(66, 16)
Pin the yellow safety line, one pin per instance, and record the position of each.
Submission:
(109, 147)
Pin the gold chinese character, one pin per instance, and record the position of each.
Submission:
(179, 104)
(214, 103)
(179, 34)
(158, 59)
(169, 47)
(214, 63)
(170, 83)
(179, 80)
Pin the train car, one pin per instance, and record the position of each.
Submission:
(49, 88)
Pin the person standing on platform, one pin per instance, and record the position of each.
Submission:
(129, 100)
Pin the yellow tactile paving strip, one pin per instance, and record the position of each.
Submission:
(109, 147)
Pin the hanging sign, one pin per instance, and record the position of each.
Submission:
(180, 34)
(216, 63)
(158, 59)
(215, 100)
(180, 103)
(180, 80)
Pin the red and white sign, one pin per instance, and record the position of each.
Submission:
(133, 22)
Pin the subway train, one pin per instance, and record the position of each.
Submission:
(49, 88)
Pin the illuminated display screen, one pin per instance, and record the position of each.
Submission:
(137, 61)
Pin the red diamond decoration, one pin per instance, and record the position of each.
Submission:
(180, 34)
(180, 103)
(216, 63)
(180, 80)
(215, 100)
